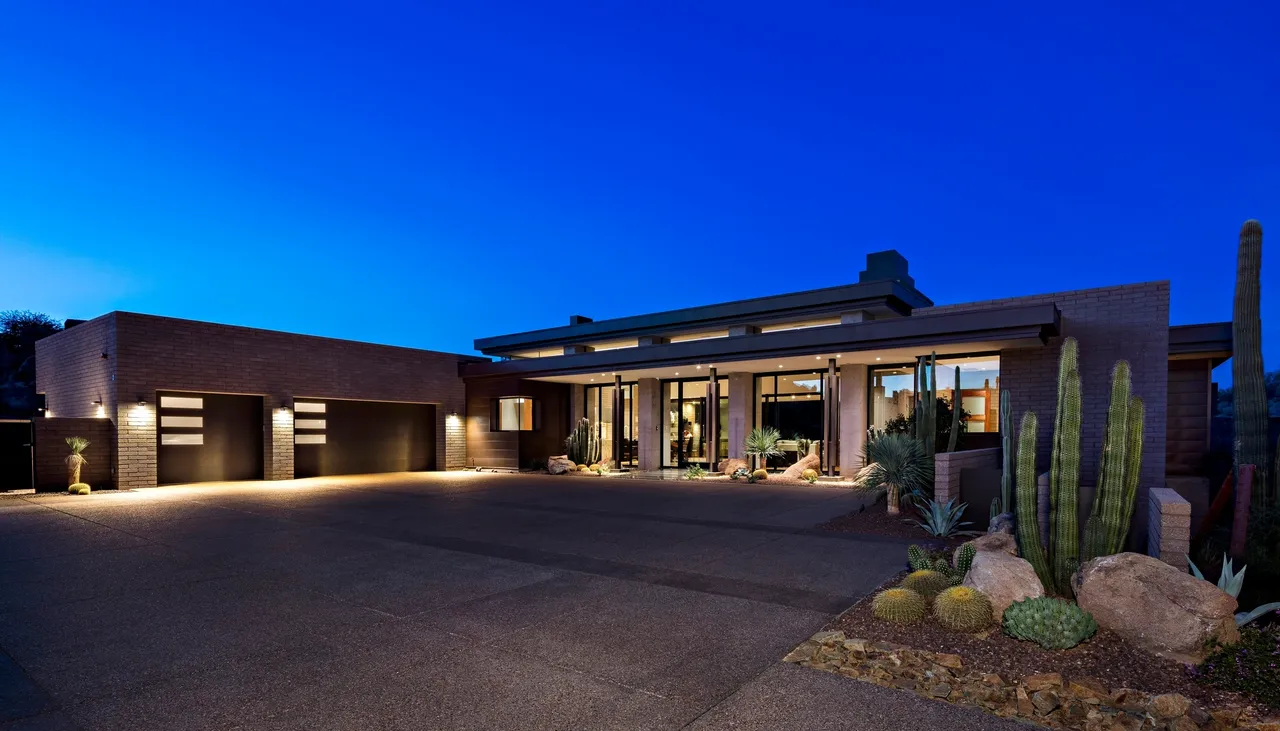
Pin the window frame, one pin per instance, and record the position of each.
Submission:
(915, 380)
(495, 414)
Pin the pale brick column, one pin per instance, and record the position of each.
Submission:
(279, 448)
(1168, 527)
(455, 442)
(742, 411)
(649, 408)
(947, 467)
(136, 442)
(577, 403)
(853, 417)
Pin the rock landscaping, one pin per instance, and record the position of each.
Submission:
(1049, 699)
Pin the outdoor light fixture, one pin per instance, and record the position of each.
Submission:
(97, 402)
(142, 400)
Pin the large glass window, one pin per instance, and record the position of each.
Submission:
(516, 413)
(792, 404)
(893, 392)
(687, 423)
(599, 408)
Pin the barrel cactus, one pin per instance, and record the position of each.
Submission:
(901, 606)
(760, 475)
(810, 476)
(962, 609)
(1053, 624)
(926, 582)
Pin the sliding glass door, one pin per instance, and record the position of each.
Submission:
(686, 406)
(599, 408)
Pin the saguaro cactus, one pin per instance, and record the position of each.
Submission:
(1028, 526)
(1246, 361)
(1064, 477)
(927, 405)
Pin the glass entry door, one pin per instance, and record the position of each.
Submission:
(599, 405)
(686, 434)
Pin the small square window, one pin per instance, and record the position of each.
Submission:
(516, 413)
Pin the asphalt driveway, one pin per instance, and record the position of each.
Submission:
(435, 601)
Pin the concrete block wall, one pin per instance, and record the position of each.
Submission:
(1169, 527)
(1128, 321)
(147, 354)
(947, 467)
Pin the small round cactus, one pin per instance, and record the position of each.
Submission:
(902, 606)
(593, 467)
(810, 475)
(584, 468)
(962, 609)
(926, 582)
(79, 488)
(1053, 624)
(760, 475)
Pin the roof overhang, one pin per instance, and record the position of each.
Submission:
(886, 298)
(1210, 341)
(968, 331)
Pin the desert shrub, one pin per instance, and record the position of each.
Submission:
(1248, 667)
(742, 473)
(694, 472)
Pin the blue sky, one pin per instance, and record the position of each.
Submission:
(424, 174)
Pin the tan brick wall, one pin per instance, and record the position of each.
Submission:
(1128, 321)
(148, 353)
(455, 441)
(1169, 527)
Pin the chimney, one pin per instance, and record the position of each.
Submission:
(578, 319)
(886, 265)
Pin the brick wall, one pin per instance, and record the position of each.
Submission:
(148, 353)
(51, 452)
(1110, 323)
(947, 467)
(72, 373)
(1169, 527)
(455, 441)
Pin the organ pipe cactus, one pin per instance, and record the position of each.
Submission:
(1027, 523)
(1064, 476)
(1132, 474)
(955, 414)
(1118, 473)
(582, 446)
(927, 403)
(1246, 362)
(1006, 442)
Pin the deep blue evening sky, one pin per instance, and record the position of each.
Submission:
(427, 175)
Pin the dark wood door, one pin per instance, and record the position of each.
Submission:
(205, 437)
(15, 454)
(336, 437)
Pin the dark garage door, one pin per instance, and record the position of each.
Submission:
(335, 437)
(206, 437)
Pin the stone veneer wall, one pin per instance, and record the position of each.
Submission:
(1128, 321)
(147, 353)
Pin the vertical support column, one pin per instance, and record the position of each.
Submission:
(280, 445)
(649, 440)
(713, 421)
(455, 441)
(741, 411)
(577, 403)
(853, 425)
(619, 421)
(831, 420)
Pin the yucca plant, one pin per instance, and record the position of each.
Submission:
(762, 443)
(76, 460)
(943, 521)
(898, 464)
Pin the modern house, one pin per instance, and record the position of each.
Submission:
(195, 401)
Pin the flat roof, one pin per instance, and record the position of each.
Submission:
(886, 298)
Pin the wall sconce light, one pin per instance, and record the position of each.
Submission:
(142, 400)
(104, 355)
(453, 414)
(97, 402)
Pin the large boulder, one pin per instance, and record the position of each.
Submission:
(808, 462)
(1155, 606)
(560, 465)
(731, 465)
(996, 542)
(1004, 579)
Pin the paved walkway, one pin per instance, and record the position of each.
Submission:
(447, 601)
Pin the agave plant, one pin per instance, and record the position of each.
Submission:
(762, 443)
(76, 460)
(1232, 582)
(896, 463)
(943, 521)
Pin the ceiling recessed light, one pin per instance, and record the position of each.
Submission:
(677, 373)
(698, 367)
(877, 359)
(817, 357)
(779, 365)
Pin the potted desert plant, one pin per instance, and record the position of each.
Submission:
(896, 463)
(74, 462)
(762, 443)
